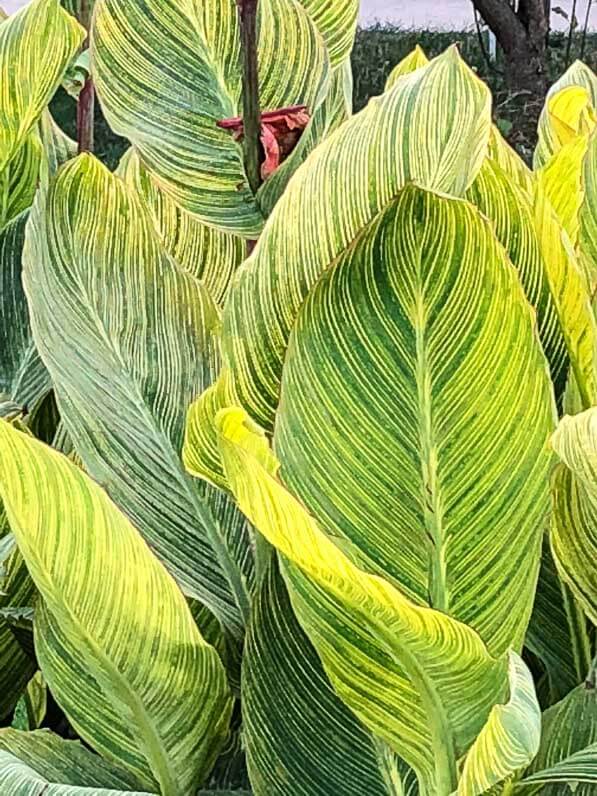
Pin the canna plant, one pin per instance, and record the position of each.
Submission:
(298, 446)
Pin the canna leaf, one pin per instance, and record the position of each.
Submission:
(36, 45)
(395, 664)
(22, 780)
(426, 444)
(301, 739)
(208, 254)
(574, 524)
(130, 338)
(23, 376)
(569, 728)
(509, 740)
(413, 61)
(188, 57)
(587, 236)
(129, 702)
(19, 180)
(572, 107)
(577, 773)
(64, 762)
(353, 175)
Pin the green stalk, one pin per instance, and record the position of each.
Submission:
(247, 12)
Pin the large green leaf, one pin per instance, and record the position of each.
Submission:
(130, 338)
(426, 444)
(168, 70)
(554, 629)
(114, 636)
(301, 739)
(576, 774)
(64, 762)
(420, 680)
(19, 180)
(353, 175)
(22, 374)
(574, 526)
(210, 255)
(568, 728)
(36, 45)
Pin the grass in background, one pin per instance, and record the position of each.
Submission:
(377, 50)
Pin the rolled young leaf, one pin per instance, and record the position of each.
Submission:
(354, 174)
(574, 524)
(510, 739)
(139, 684)
(130, 339)
(168, 71)
(420, 680)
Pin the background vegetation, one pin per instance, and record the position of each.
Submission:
(376, 51)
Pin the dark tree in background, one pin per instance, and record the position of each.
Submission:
(521, 28)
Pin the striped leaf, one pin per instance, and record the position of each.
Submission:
(130, 337)
(574, 525)
(551, 633)
(576, 774)
(510, 739)
(64, 762)
(568, 728)
(570, 295)
(572, 112)
(22, 780)
(424, 419)
(138, 684)
(420, 680)
(414, 60)
(22, 374)
(210, 255)
(301, 739)
(19, 180)
(587, 235)
(498, 196)
(353, 175)
(36, 45)
(337, 21)
(168, 70)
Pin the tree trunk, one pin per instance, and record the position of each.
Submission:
(522, 34)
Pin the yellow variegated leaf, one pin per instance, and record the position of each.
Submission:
(210, 255)
(509, 740)
(161, 706)
(168, 70)
(36, 45)
(578, 76)
(423, 416)
(569, 292)
(200, 451)
(574, 525)
(571, 113)
(19, 180)
(498, 195)
(413, 61)
(410, 133)
(337, 21)
(128, 335)
(561, 182)
(587, 239)
(394, 663)
(510, 162)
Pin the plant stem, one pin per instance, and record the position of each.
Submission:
(86, 101)
(585, 30)
(247, 11)
(571, 33)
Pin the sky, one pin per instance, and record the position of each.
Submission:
(455, 14)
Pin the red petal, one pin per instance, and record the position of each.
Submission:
(271, 149)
